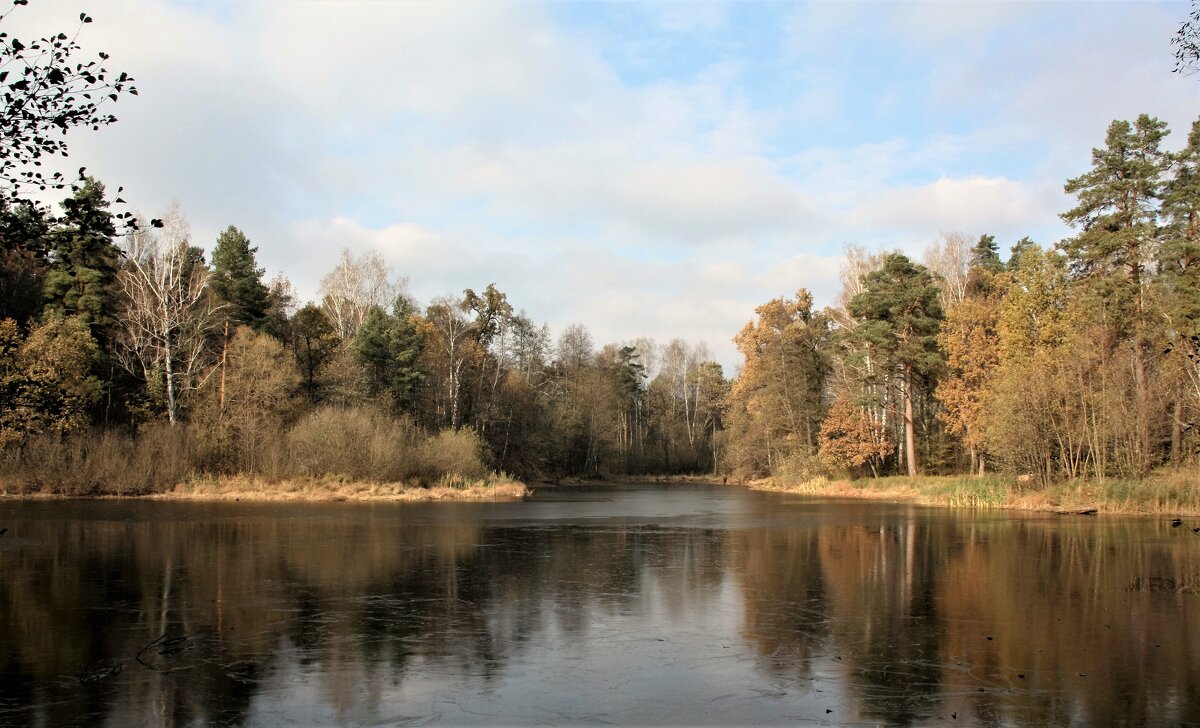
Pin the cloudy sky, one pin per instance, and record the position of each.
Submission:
(652, 169)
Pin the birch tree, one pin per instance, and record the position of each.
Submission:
(355, 285)
(167, 316)
(949, 259)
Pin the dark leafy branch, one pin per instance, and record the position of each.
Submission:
(1187, 43)
(47, 92)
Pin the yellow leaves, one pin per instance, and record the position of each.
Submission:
(972, 347)
(848, 437)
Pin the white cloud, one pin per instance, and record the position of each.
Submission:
(993, 203)
(473, 143)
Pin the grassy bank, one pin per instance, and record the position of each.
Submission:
(494, 487)
(1175, 493)
(238, 488)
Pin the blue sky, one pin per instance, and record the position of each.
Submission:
(646, 169)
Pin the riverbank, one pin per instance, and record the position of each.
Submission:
(1165, 493)
(237, 488)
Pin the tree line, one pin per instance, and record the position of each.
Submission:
(124, 331)
(125, 337)
(1076, 360)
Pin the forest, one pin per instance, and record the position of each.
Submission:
(134, 356)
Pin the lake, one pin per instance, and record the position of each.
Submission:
(631, 605)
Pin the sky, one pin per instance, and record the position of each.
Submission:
(645, 169)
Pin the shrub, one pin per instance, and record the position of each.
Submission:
(355, 443)
(453, 452)
(102, 462)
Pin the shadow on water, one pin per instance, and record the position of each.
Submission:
(634, 605)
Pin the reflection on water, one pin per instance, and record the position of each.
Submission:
(636, 606)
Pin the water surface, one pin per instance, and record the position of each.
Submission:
(635, 605)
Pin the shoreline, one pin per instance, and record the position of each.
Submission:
(1175, 494)
(1172, 494)
(231, 489)
(1163, 494)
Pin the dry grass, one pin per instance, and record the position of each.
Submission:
(1166, 492)
(240, 488)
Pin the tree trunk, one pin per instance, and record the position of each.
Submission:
(1143, 404)
(224, 354)
(909, 429)
(1177, 432)
(170, 372)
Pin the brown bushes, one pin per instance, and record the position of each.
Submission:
(100, 462)
(361, 444)
(341, 444)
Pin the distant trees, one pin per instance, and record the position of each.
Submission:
(24, 260)
(389, 348)
(970, 341)
(1077, 361)
(1082, 361)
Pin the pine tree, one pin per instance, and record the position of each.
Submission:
(237, 280)
(83, 260)
(899, 314)
(986, 255)
(1179, 263)
(388, 348)
(1179, 255)
(1118, 214)
(24, 241)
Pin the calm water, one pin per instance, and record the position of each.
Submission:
(641, 605)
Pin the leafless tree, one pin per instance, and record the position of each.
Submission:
(354, 286)
(449, 318)
(858, 263)
(949, 259)
(167, 315)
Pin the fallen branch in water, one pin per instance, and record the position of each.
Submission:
(102, 674)
(166, 646)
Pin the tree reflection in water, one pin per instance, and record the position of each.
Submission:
(771, 610)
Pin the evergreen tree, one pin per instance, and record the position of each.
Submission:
(1179, 255)
(388, 347)
(899, 314)
(407, 345)
(83, 260)
(24, 241)
(986, 254)
(1179, 263)
(237, 280)
(1018, 249)
(1118, 214)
